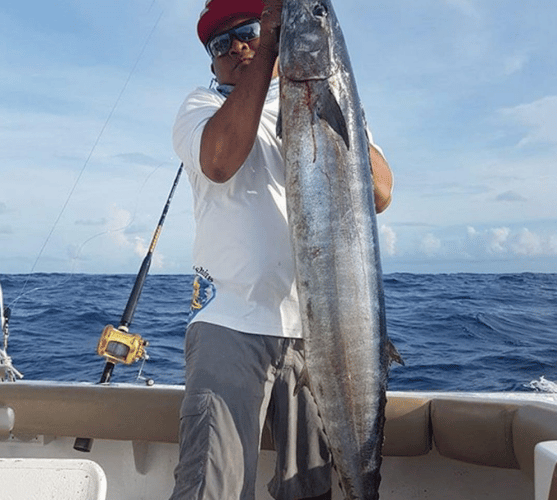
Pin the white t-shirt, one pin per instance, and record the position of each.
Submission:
(242, 242)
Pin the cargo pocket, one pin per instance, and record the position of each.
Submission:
(195, 404)
(211, 453)
(194, 442)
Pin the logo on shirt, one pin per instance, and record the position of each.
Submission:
(203, 272)
(203, 292)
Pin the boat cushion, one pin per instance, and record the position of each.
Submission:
(475, 432)
(407, 429)
(532, 425)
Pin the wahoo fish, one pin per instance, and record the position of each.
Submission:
(331, 213)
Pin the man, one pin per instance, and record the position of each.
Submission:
(244, 351)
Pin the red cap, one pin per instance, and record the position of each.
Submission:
(217, 12)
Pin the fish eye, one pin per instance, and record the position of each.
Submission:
(320, 10)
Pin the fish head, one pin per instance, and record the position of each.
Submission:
(306, 38)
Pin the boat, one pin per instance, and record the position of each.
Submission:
(438, 445)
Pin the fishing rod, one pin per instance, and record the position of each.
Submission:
(118, 345)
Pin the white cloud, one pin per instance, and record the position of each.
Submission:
(389, 239)
(141, 248)
(497, 238)
(552, 244)
(120, 219)
(120, 222)
(489, 241)
(504, 241)
(473, 249)
(527, 243)
(430, 244)
(540, 117)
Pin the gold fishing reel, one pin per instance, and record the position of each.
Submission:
(119, 346)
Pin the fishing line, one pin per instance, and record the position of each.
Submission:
(131, 220)
(89, 156)
(75, 258)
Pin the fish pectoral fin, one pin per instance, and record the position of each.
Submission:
(328, 109)
(394, 355)
(302, 381)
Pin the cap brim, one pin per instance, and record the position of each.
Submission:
(218, 12)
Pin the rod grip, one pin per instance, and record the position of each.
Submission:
(85, 444)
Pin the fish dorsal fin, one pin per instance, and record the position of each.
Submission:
(328, 109)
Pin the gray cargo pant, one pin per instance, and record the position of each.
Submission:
(235, 382)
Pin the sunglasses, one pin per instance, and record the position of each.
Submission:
(220, 44)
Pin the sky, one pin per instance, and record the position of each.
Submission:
(461, 95)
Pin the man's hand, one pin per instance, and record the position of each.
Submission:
(382, 180)
(270, 25)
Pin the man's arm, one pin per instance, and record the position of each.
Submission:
(229, 135)
(382, 179)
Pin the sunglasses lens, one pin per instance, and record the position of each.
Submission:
(220, 44)
(248, 32)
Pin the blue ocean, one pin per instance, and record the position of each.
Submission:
(456, 332)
